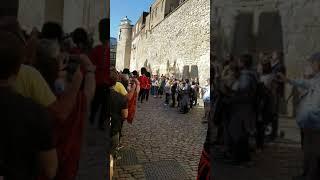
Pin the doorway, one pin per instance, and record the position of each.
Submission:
(244, 40)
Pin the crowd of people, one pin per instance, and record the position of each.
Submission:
(245, 105)
(51, 84)
(130, 88)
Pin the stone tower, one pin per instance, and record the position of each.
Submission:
(124, 44)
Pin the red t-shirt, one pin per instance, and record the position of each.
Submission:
(101, 59)
(68, 138)
(144, 82)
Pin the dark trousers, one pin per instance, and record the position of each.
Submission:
(275, 119)
(191, 101)
(178, 99)
(100, 99)
(275, 125)
(147, 94)
(260, 134)
(241, 151)
(120, 133)
(173, 97)
(311, 151)
(167, 98)
(220, 137)
(155, 90)
(142, 95)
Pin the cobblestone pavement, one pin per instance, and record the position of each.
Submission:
(93, 162)
(160, 135)
(277, 162)
(163, 143)
(281, 160)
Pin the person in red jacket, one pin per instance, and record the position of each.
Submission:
(100, 57)
(144, 84)
(148, 74)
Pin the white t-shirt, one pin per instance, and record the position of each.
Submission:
(156, 83)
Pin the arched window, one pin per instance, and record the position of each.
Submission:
(120, 35)
(171, 7)
(162, 5)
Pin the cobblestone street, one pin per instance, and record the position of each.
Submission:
(281, 160)
(161, 143)
(93, 160)
(166, 145)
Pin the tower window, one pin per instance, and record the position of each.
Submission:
(162, 6)
(120, 35)
(171, 7)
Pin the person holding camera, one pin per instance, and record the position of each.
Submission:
(68, 132)
(100, 57)
(308, 117)
(133, 93)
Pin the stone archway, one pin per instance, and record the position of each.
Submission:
(270, 35)
(270, 38)
(244, 40)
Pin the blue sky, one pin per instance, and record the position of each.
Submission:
(121, 8)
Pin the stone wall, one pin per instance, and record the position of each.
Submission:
(31, 13)
(300, 21)
(181, 39)
(70, 13)
(124, 47)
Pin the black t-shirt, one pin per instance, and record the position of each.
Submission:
(25, 130)
(118, 102)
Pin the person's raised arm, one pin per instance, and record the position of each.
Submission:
(89, 78)
(301, 83)
(62, 108)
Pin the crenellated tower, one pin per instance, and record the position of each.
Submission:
(124, 44)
